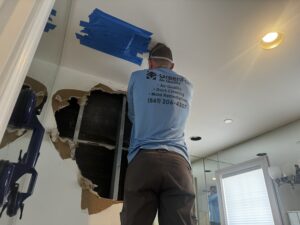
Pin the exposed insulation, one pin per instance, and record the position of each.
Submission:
(98, 129)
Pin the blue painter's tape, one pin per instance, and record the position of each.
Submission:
(50, 26)
(113, 36)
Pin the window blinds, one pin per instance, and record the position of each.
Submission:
(246, 199)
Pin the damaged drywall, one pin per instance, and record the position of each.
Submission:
(41, 93)
(93, 148)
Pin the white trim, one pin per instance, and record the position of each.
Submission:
(261, 162)
(25, 33)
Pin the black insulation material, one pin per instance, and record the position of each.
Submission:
(96, 164)
(66, 119)
(101, 118)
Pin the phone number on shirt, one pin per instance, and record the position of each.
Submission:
(167, 102)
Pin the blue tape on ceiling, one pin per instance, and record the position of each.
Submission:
(113, 36)
(50, 25)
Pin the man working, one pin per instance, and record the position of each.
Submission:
(159, 174)
(213, 205)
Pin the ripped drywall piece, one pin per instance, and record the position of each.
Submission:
(40, 91)
(61, 98)
(95, 204)
(86, 184)
(90, 199)
(115, 37)
(50, 25)
(64, 147)
(104, 88)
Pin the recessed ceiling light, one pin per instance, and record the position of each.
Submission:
(271, 40)
(196, 138)
(261, 154)
(228, 121)
(214, 178)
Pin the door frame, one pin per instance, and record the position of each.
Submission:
(20, 34)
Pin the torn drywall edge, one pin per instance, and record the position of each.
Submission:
(63, 146)
(107, 89)
(95, 204)
(115, 37)
(60, 98)
(90, 200)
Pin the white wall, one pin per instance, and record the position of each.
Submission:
(281, 145)
(56, 198)
(283, 149)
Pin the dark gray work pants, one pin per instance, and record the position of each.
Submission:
(158, 180)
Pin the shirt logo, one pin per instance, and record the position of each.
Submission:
(151, 76)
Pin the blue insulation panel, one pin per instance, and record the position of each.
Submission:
(113, 36)
(50, 26)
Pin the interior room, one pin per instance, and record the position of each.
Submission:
(243, 130)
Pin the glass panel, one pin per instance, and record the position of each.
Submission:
(201, 193)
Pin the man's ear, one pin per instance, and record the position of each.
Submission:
(172, 66)
(150, 63)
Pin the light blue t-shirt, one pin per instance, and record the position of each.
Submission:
(159, 101)
(214, 214)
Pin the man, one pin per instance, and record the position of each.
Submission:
(214, 214)
(159, 175)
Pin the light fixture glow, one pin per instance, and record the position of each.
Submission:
(214, 178)
(271, 40)
(228, 121)
(270, 37)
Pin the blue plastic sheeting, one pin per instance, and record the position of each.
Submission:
(113, 36)
(50, 25)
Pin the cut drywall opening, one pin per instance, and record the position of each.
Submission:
(92, 143)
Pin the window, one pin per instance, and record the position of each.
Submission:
(247, 195)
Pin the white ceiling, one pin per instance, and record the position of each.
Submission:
(215, 44)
